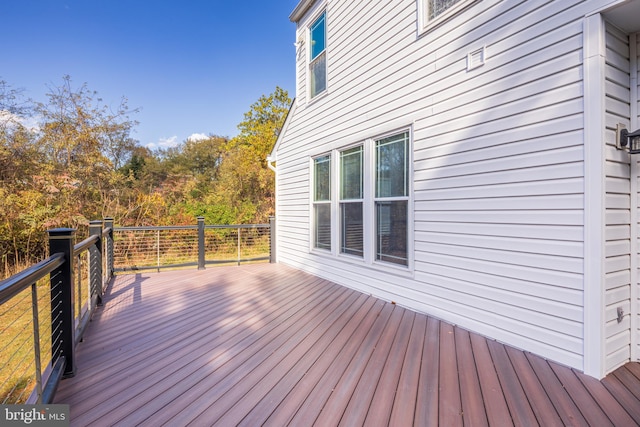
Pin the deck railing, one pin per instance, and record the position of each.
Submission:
(45, 309)
(140, 248)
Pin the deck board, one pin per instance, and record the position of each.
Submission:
(269, 345)
(473, 411)
(386, 389)
(492, 392)
(449, 404)
(568, 411)
(517, 400)
(541, 405)
(331, 413)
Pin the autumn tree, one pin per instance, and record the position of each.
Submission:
(246, 185)
(22, 208)
(83, 137)
(76, 161)
(59, 171)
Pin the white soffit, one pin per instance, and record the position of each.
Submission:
(626, 16)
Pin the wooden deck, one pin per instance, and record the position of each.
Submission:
(266, 344)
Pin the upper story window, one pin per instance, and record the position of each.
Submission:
(437, 7)
(433, 12)
(318, 56)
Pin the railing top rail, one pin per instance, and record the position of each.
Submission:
(187, 227)
(85, 244)
(106, 231)
(158, 227)
(20, 281)
(238, 226)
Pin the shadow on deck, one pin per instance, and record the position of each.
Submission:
(267, 344)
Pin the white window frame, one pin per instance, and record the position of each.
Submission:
(342, 201)
(425, 24)
(369, 205)
(314, 203)
(380, 199)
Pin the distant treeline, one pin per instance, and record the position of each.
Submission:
(72, 159)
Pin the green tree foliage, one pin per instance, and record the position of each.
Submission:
(56, 172)
(246, 184)
(71, 159)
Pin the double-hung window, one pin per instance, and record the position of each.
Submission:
(318, 56)
(392, 198)
(351, 202)
(322, 202)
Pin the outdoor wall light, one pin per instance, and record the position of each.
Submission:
(630, 140)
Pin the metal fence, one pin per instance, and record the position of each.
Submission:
(45, 309)
(141, 248)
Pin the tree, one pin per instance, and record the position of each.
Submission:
(60, 171)
(79, 133)
(246, 184)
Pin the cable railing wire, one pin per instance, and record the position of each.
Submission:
(45, 308)
(35, 352)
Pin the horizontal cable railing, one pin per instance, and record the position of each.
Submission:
(140, 248)
(43, 312)
(45, 309)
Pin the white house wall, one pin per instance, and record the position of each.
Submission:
(635, 112)
(498, 162)
(618, 207)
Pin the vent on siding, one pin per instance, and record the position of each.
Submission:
(476, 58)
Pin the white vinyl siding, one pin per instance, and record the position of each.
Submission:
(635, 113)
(617, 202)
(498, 163)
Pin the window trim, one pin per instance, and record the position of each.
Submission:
(369, 205)
(425, 24)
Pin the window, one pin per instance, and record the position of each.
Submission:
(318, 56)
(433, 12)
(351, 202)
(371, 210)
(436, 7)
(322, 202)
(391, 198)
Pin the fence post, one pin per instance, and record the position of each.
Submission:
(62, 312)
(201, 258)
(272, 239)
(95, 261)
(108, 223)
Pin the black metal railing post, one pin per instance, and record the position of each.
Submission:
(62, 311)
(201, 257)
(95, 261)
(272, 239)
(108, 223)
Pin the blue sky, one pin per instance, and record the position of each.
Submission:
(191, 66)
